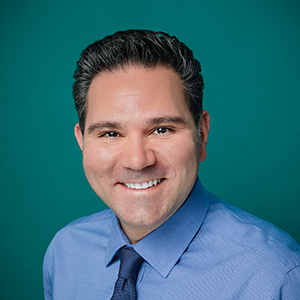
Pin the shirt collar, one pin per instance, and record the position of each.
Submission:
(117, 239)
(163, 247)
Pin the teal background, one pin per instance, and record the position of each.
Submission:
(249, 52)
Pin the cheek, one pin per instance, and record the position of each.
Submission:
(98, 160)
(184, 155)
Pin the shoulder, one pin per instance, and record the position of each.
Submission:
(247, 231)
(256, 250)
(85, 230)
(76, 249)
(102, 216)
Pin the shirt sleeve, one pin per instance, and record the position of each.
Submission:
(289, 288)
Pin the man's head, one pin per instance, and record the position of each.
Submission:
(138, 47)
(138, 132)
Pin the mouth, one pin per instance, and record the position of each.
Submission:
(143, 185)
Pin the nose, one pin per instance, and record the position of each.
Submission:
(137, 154)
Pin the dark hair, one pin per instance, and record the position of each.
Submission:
(138, 47)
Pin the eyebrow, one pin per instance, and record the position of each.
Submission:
(154, 121)
(101, 125)
(167, 119)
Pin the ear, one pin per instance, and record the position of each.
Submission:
(78, 135)
(204, 128)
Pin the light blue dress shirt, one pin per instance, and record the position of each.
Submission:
(207, 250)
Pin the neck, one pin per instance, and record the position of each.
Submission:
(135, 234)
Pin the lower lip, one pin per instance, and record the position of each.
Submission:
(142, 190)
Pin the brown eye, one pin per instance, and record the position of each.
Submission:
(161, 130)
(109, 134)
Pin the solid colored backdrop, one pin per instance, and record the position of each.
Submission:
(249, 52)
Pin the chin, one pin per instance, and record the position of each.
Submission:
(145, 220)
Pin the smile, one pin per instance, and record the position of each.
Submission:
(143, 185)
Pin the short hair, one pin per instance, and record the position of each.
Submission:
(138, 47)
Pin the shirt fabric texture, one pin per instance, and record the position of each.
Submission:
(207, 250)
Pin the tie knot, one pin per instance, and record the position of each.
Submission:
(130, 263)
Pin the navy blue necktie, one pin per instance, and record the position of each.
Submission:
(129, 267)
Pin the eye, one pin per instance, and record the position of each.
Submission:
(109, 134)
(162, 130)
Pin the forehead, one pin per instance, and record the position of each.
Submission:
(136, 90)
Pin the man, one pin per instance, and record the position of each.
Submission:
(143, 132)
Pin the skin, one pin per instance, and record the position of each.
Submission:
(139, 128)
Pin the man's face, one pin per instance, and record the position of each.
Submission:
(140, 148)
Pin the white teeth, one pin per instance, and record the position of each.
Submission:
(143, 185)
